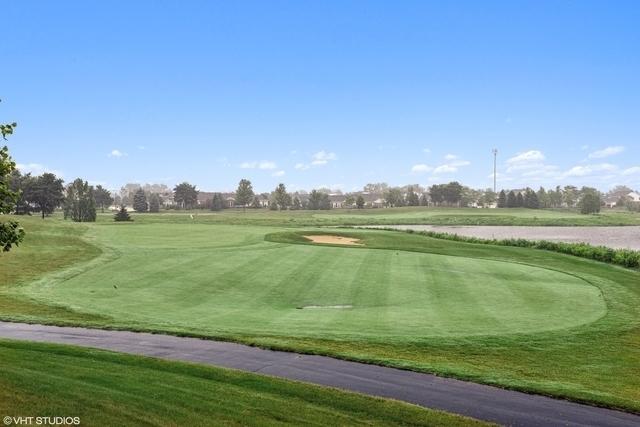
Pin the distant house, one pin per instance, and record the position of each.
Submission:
(337, 201)
(634, 197)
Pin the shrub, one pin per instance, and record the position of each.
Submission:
(122, 215)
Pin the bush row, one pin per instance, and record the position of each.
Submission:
(624, 257)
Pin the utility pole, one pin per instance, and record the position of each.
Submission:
(495, 155)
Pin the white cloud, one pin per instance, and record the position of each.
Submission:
(421, 168)
(459, 163)
(426, 150)
(606, 152)
(587, 170)
(278, 173)
(445, 169)
(116, 153)
(264, 165)
(451, 166)
(322, 158)
(526, 157)
(36, 169)
(635, 170)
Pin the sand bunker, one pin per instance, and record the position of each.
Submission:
(334, 240)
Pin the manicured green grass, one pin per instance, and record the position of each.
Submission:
(393, 216)
(516, 317)
(109, 389)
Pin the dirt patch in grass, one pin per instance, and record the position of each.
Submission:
(334, 240)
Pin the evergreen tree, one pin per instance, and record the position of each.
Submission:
(543, 198)
(424, 200)
(531, 199)
(244, 193)
(281, 197)
(80, 204)
(122, 215)
(360, 202)
(140, 201)
(217, 202)
(519, 200)
(502, 199)
(154, 203)
(512, 200)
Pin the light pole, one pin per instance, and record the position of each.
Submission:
(495, 156)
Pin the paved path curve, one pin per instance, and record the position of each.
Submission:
(619, 237)
(470, 399)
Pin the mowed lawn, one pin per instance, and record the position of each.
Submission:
(519, 318)
(226, 280)
(395, 216)
(109, 389)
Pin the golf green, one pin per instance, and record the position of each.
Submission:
(227, 280)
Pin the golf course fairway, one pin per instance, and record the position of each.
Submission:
(224, 280)
(519, 318)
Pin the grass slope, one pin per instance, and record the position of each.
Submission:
(515, 317)
(109, 389)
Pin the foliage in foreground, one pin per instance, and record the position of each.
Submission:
(624, 257)
(103, 388)
(10, 231)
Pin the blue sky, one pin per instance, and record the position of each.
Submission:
(324, 93)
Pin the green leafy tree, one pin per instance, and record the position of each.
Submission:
(412, 197)
(318, 200)
(281, 197)
(543, 198)
(360, 202)
(154, 203)
(185, 195)
(424, 199)
(436, 193)
(103, 197)
(394, 197)
(590, 202)
(140, 201)
(80, 204)
(350, 201)
(570, 195)
(10, 231)
(46, 193)
(22, 185)
(122, 215)
(244, 193)
(488, 197)
(255, 204)
(453, 193)
(295, 204)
